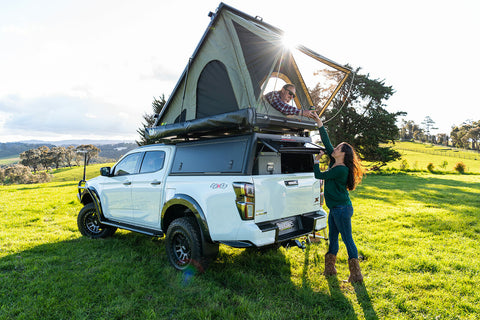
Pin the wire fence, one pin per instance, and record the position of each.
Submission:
(448, 152)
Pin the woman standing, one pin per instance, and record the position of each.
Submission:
(344, 173)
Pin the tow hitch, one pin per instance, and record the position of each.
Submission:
(294, 243)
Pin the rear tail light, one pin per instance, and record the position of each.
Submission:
(245, 199)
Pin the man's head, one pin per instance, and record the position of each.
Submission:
(287, 93)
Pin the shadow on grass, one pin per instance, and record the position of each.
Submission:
(46, 186)
(83, 278)
(364, 301)
(268, 283)
(337, 294)
(128, 276)
(263, 282)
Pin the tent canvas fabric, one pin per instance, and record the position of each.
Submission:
(222, 86)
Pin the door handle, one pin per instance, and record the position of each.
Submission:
(155, 183)
(127, 183)
(289, 183)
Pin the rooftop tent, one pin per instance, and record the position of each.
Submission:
(238, 60)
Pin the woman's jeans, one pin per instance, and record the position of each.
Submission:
(340, 221)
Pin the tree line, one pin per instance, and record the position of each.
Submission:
(465, 136)
(44, 157)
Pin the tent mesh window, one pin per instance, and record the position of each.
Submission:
(259, 55)
(214, 91)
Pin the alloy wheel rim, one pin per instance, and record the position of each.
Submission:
(182, 249)
(92, 224)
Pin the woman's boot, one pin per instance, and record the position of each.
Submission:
(330, 269)
(355, 272)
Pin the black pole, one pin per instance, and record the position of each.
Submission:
(84, 166)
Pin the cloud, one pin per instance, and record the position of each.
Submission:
(162, 73)
(65, 115)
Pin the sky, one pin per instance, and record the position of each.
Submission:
(89, 69)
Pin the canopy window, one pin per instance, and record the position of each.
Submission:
(289, 146)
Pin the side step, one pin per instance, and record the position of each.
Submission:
(125, 226)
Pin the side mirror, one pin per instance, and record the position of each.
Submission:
(105, 171)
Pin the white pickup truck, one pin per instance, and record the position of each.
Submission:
(251, 190)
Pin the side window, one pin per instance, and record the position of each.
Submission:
(215, 155)
(153, 161)
(127, 165)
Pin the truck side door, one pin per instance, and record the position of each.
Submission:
(147, 189)
(116, 195)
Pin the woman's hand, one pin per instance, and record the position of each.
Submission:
(317, 119)
(319, 155)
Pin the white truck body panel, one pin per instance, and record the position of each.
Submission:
(138, 199)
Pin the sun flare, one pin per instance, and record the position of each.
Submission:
(288, 41)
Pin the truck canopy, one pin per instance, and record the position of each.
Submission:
(239, 59)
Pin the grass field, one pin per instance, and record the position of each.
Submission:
(9, 160)
(76, 173)
(419, 155)
(418, 234)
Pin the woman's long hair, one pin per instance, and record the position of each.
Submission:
(354, 165)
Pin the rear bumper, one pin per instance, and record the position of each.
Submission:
(294, 227)
(278, 231)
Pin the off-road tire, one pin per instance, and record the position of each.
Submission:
(90, 226)
(184, 245)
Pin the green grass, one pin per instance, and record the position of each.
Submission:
(9, 160)
(418, 234)
(419, 155)
(76, 173)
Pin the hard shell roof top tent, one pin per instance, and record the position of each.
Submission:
(238, 60)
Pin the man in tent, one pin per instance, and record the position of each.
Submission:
(280, 100)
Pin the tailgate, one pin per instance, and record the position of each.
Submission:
(285, 195)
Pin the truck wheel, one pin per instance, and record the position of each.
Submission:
(183, 245)
(89, 226)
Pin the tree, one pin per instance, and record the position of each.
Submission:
(410, 130)
(18, 174)
(57, 156)
(70, 155)
(456, 135)
(45, 159)
(90, 150)
(149, 120)
(467, 135)
(429, 124)
(31, 158)
(474, 134)
(363, 121)
(442, 138)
